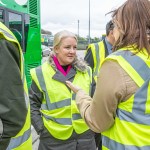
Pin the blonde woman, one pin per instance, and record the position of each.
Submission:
(54, 113)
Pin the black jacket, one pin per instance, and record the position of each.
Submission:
(12, 102)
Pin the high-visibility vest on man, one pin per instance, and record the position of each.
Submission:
(99, 51)
(131, 129)
(23, 140)
(59, 110)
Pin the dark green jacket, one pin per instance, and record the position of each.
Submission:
(12, 102)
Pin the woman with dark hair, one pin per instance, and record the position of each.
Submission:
(120, 108)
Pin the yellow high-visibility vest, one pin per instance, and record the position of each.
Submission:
(131, 129)
(98, 52)
(59, 111)
(23, 140)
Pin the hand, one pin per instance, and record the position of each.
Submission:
(74, 88)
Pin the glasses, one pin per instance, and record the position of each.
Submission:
(110, 26)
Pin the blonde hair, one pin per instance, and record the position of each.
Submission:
(62, 34)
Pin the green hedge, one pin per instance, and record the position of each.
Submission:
(81, 46)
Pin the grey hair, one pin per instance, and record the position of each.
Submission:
(62, 34)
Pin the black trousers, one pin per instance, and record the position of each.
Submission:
(98, 141)
(84, 141)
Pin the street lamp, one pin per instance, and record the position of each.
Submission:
(78, 28)
(89, 39)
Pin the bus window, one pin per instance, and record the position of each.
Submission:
(15, 25)
(26, 28)
(24, 22)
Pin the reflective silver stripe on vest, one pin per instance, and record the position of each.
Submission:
(90, 75)
(26, 99)
(138, 111)
(50, 106)
(134, 60)
(23, 80)
(15, 142)
(140, 98)
(73, 96)
(113, 145)
(7, 34)
(64, 121)
(76, 116)
(97, 59)
(1, 128)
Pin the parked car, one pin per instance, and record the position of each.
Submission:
(45, 51)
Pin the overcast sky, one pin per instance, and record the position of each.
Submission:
(57, 15)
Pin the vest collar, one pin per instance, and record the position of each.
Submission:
(59, 77)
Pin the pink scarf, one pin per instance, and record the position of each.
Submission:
(59, 67)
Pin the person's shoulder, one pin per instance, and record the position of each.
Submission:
(89, 46)
(93, 44)
(4, 41)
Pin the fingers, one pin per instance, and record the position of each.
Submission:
(74, 88)
(70, 85)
